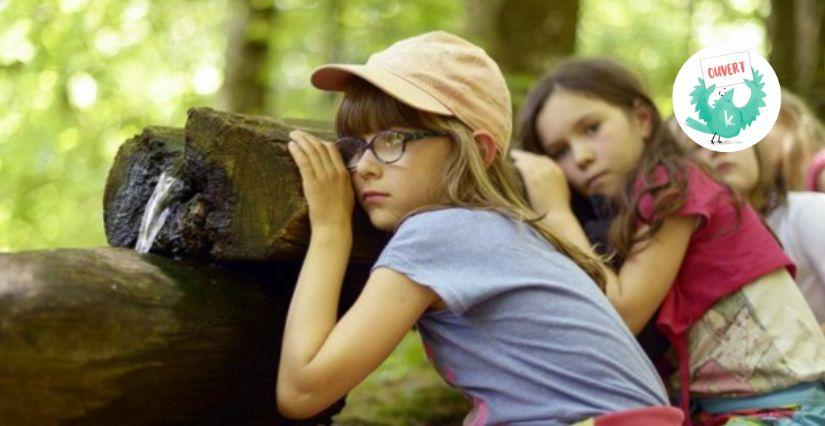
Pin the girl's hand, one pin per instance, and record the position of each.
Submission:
(544, 181)
(326, 181)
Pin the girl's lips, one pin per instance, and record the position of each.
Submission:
(723, 167)
(590, 182)
(373, 197)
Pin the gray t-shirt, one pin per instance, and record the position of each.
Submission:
(527, 336)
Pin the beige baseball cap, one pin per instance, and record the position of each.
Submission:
(437, 72)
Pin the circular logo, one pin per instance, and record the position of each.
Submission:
(726, 97)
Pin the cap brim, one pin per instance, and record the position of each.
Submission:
(336, 77)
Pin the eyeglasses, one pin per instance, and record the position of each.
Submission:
(387, 146)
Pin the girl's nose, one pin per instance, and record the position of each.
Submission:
(368, 166)
(583, 154)
(705, 155)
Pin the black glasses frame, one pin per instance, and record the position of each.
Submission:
(405, 137)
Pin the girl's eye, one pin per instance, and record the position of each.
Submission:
(592, 129)
(390, 140)
(559, 152)
(397, 140)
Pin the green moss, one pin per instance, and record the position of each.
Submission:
(405, 389)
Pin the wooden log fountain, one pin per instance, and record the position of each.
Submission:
(190, 333)
(238, 195)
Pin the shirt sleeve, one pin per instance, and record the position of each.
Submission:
(816, 168)
(701, 197)
(810, 232)
(444, 251)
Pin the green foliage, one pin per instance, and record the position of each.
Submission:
(310, 34)
(655, 37)
(78, 77)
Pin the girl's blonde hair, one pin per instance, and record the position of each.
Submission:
(762, 197)
(469, 183)
(805, 136)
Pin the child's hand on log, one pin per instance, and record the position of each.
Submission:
(544, 181)
(326, 181)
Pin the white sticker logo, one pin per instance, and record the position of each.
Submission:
(726, 97)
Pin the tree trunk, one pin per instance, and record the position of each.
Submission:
(525, 37)
(248, 51)
(797, 33)
(238, 195)
(107, 336)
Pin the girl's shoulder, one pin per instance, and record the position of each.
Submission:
(459, 227)
(815, 169)
(695, 190)
(683, 170)
(453, 219)
(805, 207)
(806, 199)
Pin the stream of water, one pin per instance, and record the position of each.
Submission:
(156, 212)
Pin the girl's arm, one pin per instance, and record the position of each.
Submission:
(809, 234)
(645, 277)
(820, 185)
(321, 358)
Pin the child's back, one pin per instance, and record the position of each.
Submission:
(526, 335)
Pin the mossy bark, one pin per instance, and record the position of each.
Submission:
(239, 195)
(109, 336)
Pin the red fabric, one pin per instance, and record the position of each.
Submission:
(648, 416)
(723, 255)
(814, 170)
(707, 419)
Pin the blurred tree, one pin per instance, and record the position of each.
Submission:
(797, 35)
(334, 35)
(247, 54)
(79, 77)
(525, 37)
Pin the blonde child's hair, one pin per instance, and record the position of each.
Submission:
(468, 181)
(764, 197)
(805, 136)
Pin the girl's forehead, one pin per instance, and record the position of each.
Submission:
(572, 103)
(563, 110)
(372, 133)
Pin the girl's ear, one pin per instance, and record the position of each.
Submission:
(644, 117)
(486, 145)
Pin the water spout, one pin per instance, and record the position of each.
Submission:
(156, 212)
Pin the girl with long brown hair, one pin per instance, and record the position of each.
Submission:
(694, 257)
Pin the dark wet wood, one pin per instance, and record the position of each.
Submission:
(105, 336)
(240, 194)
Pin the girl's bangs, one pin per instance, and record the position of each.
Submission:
(365, 110)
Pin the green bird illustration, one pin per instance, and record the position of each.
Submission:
(724, 119)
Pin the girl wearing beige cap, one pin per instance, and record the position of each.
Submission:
(509, 314)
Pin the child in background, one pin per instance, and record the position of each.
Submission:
(795, 217)
(747, 345)
(794, 150)
(815, 178)
(509, 313)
